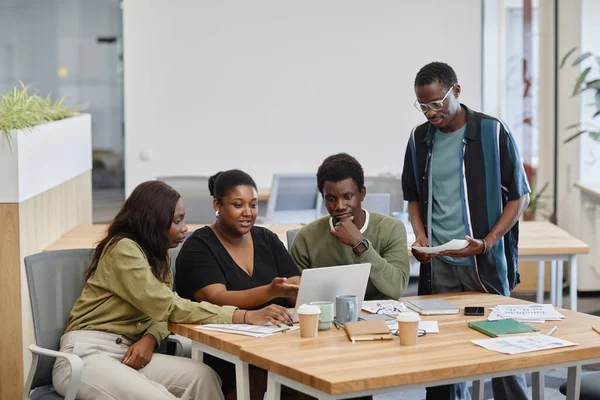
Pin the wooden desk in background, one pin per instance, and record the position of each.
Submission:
(263, 194)
(331, 367)
(543, 241)
(86, 236)
(539, 241)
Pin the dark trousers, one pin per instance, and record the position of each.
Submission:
(447, 278)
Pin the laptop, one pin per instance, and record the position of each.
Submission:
(323, 284)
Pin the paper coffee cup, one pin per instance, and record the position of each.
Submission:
(408, 327)
(309, 320)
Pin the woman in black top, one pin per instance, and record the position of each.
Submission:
(236, 263)
(232, 262)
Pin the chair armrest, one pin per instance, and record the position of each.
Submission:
(74, 361)
(183, 345)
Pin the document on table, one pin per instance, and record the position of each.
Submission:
(383, 306)
(526, 313)
(522, 344)
(427, 326)
(248, 330)
(454, 244)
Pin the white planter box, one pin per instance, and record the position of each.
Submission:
(44, 157)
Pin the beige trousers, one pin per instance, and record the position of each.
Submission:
(104, 377)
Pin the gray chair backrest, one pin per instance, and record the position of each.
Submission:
(175, 253)
(55, 281)
(196, 197)
(293, 199)
(379, 202)
(290, 237)
(387, 184)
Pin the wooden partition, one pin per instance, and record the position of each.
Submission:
(27, 228)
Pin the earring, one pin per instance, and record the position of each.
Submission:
(217, 213)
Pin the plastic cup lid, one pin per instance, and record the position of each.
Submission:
(309, 309)
(408, 316)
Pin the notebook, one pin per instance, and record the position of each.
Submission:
(367, 330)
(502, 327)
(432, 307)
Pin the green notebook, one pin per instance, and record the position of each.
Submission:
(502, 327)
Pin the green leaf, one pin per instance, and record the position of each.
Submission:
(581, 58)
(575, 125)
(595, 84)
(596, 114)
(564, 60)
(580, 81)
(595, 136)
(574, 136)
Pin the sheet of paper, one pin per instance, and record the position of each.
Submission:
(495, 317)
(388, 307)
(526, 312)
(429, 326)
(248, 330)
(522, 344)
(454, 244)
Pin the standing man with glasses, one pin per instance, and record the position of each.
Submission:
(463, 178)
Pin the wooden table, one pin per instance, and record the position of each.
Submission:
(331, 367)
(87, 236)
(543, 241)
(539, 241)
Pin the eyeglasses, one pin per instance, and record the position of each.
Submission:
(420, 332)
(389, 309)
(434, 105)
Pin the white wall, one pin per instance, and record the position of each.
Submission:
(276, 86)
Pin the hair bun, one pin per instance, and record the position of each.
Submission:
(211, 183)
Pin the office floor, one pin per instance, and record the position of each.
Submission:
(106, 203)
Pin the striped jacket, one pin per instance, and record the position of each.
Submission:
(492, 174)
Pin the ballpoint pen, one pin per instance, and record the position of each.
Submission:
(551, 331)
(596, 329)
(285, 328)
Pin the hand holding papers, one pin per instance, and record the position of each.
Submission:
(454, 244)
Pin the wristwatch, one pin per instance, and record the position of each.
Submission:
(361, 247)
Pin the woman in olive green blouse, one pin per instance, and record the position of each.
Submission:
(121, 316)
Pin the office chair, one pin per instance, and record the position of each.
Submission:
(175, 253)
(378, 202)
(194, 192)
(293, 199)
(291, 234)
(387, 184)
(55, 280)
(590, 386)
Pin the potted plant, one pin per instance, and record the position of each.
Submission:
(43, 143)
(21, 111)
(588, 80)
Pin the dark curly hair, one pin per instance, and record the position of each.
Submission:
(436, 72)
(221, 183)
(145, 218)
(338, 167)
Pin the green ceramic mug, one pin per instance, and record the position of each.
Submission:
(326, 316)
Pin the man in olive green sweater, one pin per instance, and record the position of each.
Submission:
(351, 234)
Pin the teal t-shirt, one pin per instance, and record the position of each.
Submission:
(446, 207)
